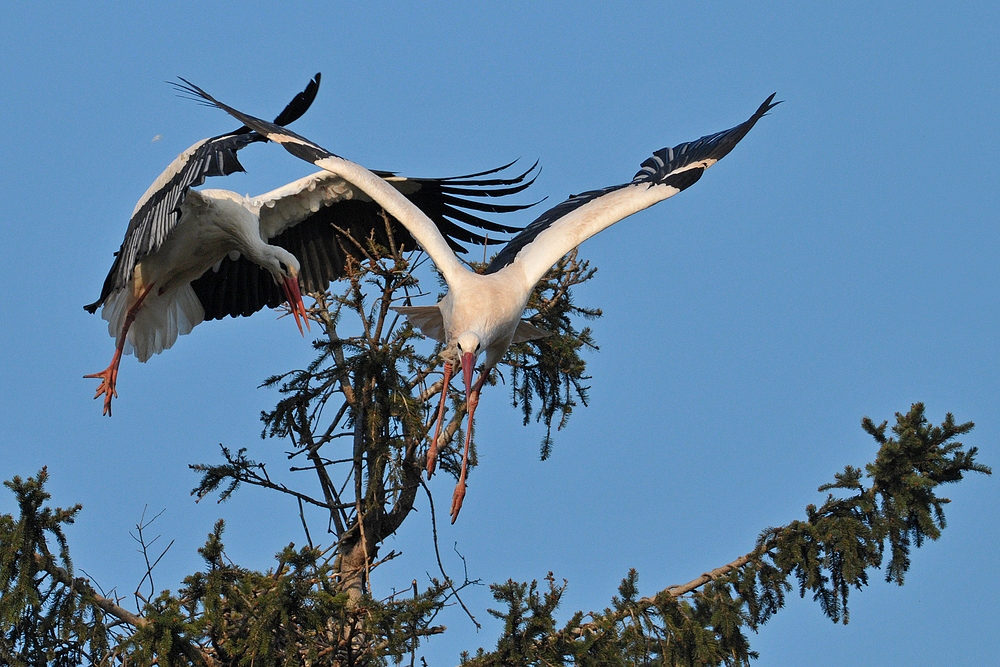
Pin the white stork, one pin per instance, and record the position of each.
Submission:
(210, 254)
(481, 313)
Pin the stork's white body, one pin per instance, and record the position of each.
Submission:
(213, 224)
(490, 305)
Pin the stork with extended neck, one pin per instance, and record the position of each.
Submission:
(191, 255)
(481, 314)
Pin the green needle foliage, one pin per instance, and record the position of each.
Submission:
(291, 615)
(890, 507)
(550, 370)
(45, 617)
(355, 424)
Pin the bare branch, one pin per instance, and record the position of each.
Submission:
(437, 554)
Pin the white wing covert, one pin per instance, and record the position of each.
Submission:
(570, 223)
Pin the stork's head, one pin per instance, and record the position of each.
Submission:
(468, 349)
(284, 268)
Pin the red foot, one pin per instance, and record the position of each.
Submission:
(472, 400)
(432, 455)
(457, 498)
(108, 377)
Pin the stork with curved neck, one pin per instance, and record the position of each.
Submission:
(159, 304)
(174, 236)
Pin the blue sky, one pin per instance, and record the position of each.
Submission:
(840, 262)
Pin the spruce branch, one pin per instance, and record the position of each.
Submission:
(893, 505)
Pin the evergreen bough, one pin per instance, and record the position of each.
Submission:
(358, 418)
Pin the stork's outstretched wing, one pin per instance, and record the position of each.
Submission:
(567, 225)
(323, 220)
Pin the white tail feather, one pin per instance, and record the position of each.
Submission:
(527, 331)
(161, 319)
(427, 319)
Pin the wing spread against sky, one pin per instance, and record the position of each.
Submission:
(839, 265)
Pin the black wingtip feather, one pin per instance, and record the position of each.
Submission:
(766, 106)
(492, 192)
(514, 180)
(664, 162)
(300, 103)
(485, 207)
(450, 211)
(189, 91)
(487, 172)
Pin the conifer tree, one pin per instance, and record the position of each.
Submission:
(357, 419)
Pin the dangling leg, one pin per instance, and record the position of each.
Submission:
(109, 375)
(432, 449)
(472, 401)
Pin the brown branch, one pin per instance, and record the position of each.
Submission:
(329, 492)
(407, 495)
(257, 480)
(694, 584)
(364, 547)
(337, 507)
(82, 587)
(426, 632)
(448, 432)
(389, 286)
(437, 554)
(764, 546)
(431, 392)
(422, 375)
(330, 327)
(678, 590)
(356, 300)
(328, 434)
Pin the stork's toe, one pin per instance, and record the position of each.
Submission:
(457, 499)
(107, 387)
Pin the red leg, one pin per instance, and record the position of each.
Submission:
(472, 401)
(109, 376)
(432, 449)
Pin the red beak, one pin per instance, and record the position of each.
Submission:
(294, 297)
(468, 361)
